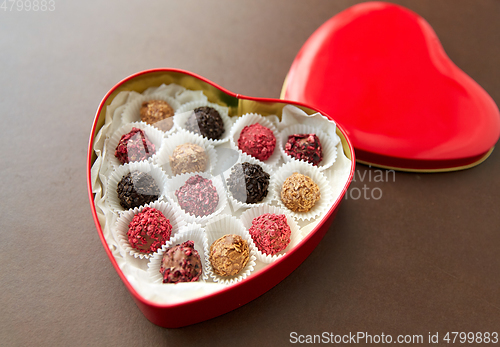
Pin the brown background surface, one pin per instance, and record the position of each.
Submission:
(424, 258)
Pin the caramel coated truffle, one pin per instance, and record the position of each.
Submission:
(299, 193)
(188, 158)
(157, 113)
(181, 263)
(229, 255)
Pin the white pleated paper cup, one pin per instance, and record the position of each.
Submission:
(116, 176)
(323, 204)
(226, 158)
(170, 143)
(183, 113)
(177, 182)
(171, 212)
(154, 135)
(295, 237)
(236, 204)
(132, 111)
(224, 225)
(329, 150)
(253, 118)
(188, 95)
(190, 232)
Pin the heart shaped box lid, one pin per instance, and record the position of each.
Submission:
(381, 72)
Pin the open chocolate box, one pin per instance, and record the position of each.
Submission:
(180, 304)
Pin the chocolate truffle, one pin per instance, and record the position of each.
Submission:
(188, 158)
(299, 193)
(181, 263)
(207, 122)
(229, 255)
(270, 233)
(248, 183)
(305, 147)
(157, 113)
(137, 188)
(198, 196)
(258, 141)
(134, 146)
(149, 230)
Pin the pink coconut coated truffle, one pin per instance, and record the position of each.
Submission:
(198, 196)
(134, 146)
(258, 141)
(149, 230)
(270, 233)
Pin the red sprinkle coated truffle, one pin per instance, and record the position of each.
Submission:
(149, 230)
(134, 146)
(198, 196)
(305, 147)
(181, 263)
(258, 141)
(270, 232)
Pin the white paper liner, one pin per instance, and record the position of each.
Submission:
(183, 113)
(176, 182)
(328, 147)
(131, 113)
(155, 171)
(154, 135)
(138, 278)
(226, 158)
(190, 232)
(171, 212)
(326, 200)
(178, 92)
(223, 225)
(235, 204)
(249, 119)
(295, 237)
(170, 143)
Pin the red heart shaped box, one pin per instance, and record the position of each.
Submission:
(236, 295)
(380, 70)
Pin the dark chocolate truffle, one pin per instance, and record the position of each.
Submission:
(198, 196)
(248, 183)
(258, 141)
(299, 193)
(157, 113)
(229, 255)
(181, 263)
(188, 158)
(137, 188)
(305, 147)
(149, 230)
(134, 146)
(270, 233)
(207, 122)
